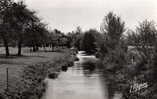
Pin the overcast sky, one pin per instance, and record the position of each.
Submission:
(66, 15)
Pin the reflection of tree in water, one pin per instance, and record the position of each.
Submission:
(88, 68)
(64, 68)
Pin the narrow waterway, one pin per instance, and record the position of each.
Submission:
(82, 81)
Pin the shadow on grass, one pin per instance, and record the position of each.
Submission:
(61, 50)
(13, 56)
(6, 62)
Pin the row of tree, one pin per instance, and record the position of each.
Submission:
(20, 26)
(17, 22)
(85, 41)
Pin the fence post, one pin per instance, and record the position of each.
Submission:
(7, 79)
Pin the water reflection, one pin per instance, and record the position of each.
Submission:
(53, 75)
(82, 81)
(88, 68)
(64, 68)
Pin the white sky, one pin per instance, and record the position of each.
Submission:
(66, 15)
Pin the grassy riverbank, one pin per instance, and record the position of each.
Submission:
(27, 73)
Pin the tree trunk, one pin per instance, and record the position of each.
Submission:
(19, 47)
(37, 48)
(52, 47)
(44, 47)
(5, 45)
(34, 48)
(6, 48)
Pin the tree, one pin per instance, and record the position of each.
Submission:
(131, 38)
(114, 58)
(144, 39)
(57, 37)
(69, 39)
(36, 36)
(88, 42)
(21, 18)
(146, 35)
(77, 37)
(112, 28)
(5, 28)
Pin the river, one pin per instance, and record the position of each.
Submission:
(81, 81)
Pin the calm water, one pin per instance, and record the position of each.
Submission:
(82, 81)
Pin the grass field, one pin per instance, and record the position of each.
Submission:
(16, 64)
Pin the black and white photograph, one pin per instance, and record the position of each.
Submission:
(78, 49)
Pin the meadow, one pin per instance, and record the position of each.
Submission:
(18, 66)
